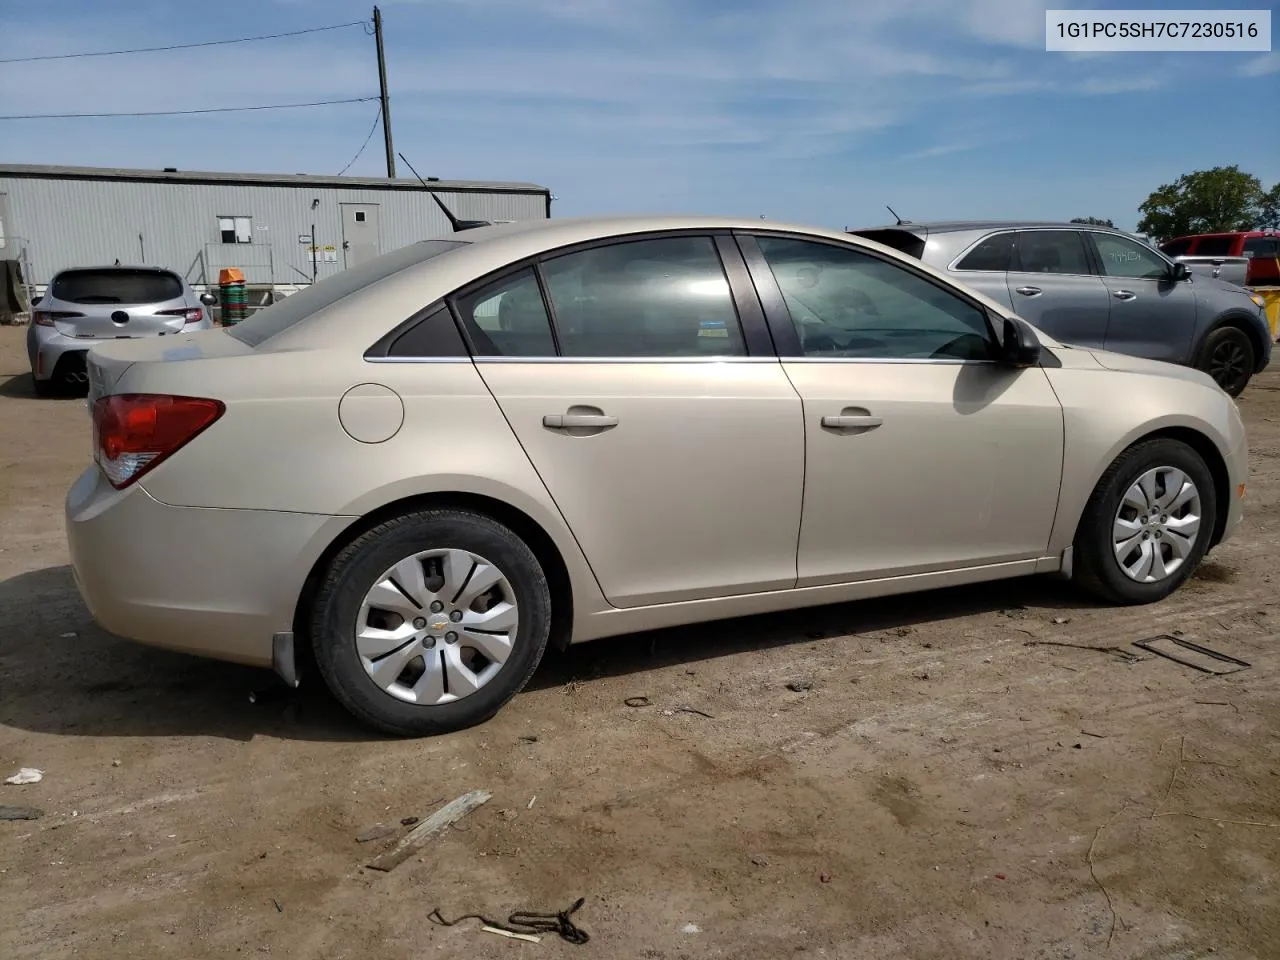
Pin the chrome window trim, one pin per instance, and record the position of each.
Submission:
(653, 360)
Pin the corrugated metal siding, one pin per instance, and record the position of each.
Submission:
(65, 223)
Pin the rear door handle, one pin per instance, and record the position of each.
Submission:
(1029, 291)
(570, 421)
(1124, 295)
(852, 422)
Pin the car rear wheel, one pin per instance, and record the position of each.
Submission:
(1227, 356)
(44, 388)
(430, 622)
(1147, 524)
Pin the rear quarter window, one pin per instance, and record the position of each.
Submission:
(993, 253)
(1215, 246)
(116, 286)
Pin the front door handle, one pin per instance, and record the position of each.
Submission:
(862, 422)
(1124, 295)
(1029, 291)
(571, 421)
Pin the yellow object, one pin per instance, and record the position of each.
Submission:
(1271, 303)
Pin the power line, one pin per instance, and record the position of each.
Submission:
(376, 118)
(185, 46)
(183, 113)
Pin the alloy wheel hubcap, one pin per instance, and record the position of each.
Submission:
(1227, 364)
(437, 626)
(1157, 525)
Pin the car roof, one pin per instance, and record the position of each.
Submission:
(964, 226)
(119, 266)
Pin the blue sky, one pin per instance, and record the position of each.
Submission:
(816, 111)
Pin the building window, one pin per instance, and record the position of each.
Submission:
(236, 229)
(359, 216)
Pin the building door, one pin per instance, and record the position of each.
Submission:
(359, 233)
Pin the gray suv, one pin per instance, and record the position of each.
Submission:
(88, 304)
(1095, 287)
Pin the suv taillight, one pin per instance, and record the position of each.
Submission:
(46, 318)
(192, 315)
(134, 432)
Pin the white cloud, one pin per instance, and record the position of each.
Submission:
(1261, 66)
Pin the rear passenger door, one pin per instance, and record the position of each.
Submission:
(654, 410)
(1053, 285)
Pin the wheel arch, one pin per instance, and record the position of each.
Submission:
(521, 523)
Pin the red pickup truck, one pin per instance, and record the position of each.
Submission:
(1261, 247)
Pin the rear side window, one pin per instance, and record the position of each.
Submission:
(507, 318)
(666, 297)
(1052, 251)
(1262, 247)
(993, 253)
(1215, 246)
(1176, 248)
(116, 286)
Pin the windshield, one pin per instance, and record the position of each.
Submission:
(116, 286)
(280, 316)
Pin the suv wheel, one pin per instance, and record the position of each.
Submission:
(1227, 356)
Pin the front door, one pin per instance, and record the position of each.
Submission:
(675, 457)
(921, 454)
(360, 241)
(1152, 316)
(1053, 286)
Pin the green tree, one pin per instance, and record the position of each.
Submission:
(1219, 200)
(1093, 221)
(1269, 209)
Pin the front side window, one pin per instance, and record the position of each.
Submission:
(849, 304)
(1122, 257)
(665, 297)
(1217, 246)
(507, 318)
(1052, 251)
(993, 253)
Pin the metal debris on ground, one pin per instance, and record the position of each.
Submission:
(25, 775)
(701, 713)
(20, 813)
(408, 821)
(1160, 644)
(800, 685)
(524, 924)
(529, 738)
(637, 702)
(1120, 652)
(435, 824)
(376, 832)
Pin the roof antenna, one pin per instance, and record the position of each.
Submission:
(886, 206)
(454, 222)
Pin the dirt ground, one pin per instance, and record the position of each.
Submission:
(948, 788)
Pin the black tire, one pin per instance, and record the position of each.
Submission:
(1228, 356)
(352, 574)
(1096, 568)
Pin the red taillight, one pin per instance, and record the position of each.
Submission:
(133, 432)
(45, 318)
(192, 315)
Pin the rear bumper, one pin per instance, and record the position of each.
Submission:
(216, 583)
(56, 357)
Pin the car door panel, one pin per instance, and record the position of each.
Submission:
(1151, 315)
(695, 491)
(963, 469)
(914, 461)
(1052, 287)
(672, 447)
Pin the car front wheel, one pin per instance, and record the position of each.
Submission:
(1227, 356)
(430, 622)
(1147, 524)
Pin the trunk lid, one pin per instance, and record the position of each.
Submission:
(107, 360)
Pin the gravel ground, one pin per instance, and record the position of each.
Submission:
(959, 780)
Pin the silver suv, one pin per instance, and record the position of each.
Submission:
(89, 304)
(1100, 288)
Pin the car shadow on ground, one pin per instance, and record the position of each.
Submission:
(21, 386)
(64, 675)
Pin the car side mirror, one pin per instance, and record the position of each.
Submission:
(208, 299)
(1180, 272)
(35, 300)
(1019, 347)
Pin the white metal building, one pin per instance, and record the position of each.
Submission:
(197, 223)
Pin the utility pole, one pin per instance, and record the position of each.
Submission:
(382, 87)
